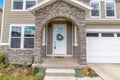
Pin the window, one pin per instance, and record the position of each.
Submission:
(22, 37)
(29, 32)
(95, 13)
(18, 4)
(16, 37)
(110, 8)
(107, 34)
(30, 3)
(92, 34)
(118, 34)
(23, 4)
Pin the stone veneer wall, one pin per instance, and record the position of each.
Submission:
(65, 10)
(17, 56)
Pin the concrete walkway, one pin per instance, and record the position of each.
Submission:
(107, 71)
(69, 78)
(64, 74)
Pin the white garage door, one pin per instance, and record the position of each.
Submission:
(103, 47)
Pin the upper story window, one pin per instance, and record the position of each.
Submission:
(18, 4)
(23, 4)
(110, 8)
(30, 3)
(95, 13)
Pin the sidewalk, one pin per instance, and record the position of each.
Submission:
(107, 71)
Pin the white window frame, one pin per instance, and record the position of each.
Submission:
(96, 1)
(24, 6)
(106, 9)
(22, 35)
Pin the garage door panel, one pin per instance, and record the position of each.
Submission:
(103, 49)
(113, 54)
(103, 59)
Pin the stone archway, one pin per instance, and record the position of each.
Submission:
(70, 12)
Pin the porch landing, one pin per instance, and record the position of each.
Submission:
(60, 63)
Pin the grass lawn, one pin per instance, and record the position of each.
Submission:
(11, 77)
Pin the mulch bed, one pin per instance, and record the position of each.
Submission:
(79, 73)
(16, 69)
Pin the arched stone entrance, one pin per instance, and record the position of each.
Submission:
(57, 9)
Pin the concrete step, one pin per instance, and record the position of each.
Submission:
(59, 78)
(60, 72)
(60, 66)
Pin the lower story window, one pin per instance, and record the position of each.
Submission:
(22, 36)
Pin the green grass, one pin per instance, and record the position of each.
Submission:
(10, 77)
(41, 72)
(78, 73)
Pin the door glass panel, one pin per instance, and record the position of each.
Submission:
(60, 30)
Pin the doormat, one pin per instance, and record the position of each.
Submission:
(59, 57)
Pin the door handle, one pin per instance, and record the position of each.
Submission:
(54, 45)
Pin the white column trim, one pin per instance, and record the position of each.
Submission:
(75, 28)
(43, 44)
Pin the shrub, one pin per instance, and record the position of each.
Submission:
(85, 72)
(32, 59)
(3, 65)
(35, 70)
(2, 57)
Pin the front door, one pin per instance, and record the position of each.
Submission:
(59, 40)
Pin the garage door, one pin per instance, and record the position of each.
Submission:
(103, 47)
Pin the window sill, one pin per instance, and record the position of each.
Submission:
(21, 49)
(19, 10)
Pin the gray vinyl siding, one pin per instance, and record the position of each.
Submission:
(0, 18)
(0, 21)
(14, 17)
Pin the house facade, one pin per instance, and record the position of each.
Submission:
(0, 17)
(87, 30)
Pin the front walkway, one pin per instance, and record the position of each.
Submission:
(64, 74)
(107, 71)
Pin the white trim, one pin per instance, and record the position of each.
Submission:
(46, 39)
(110, 19)
(3, 14)
(114, 9)
(44, 42)
(102, 30)
(47, 2)
(24, 6)
(4, 44)
(96, 1)
(22, 35)
(75, 36)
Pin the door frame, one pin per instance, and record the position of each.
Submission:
(65, 27)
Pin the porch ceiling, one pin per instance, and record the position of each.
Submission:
(72, 2)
